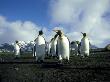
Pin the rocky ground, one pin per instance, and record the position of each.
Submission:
(95, 68)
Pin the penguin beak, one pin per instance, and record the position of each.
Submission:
(55, 31)
(82, 33)
(59, 32)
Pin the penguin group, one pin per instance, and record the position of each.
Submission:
(59, 47)
(53, 48)
(75, 47)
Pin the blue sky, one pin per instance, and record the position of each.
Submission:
(22, 19)
(32, 10)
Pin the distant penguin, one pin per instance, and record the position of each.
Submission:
(63, 46)
(74, 47)
(107, 47)
(34, 50)
(40, 47)
(79, 45)
(54, 46)
(84, 48)
(17, 49)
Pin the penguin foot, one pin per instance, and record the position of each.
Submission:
(53, 57)
(38, 62)
(16, 58)
(82, 56)
(66, 61)
(60, 62)
(41, 61)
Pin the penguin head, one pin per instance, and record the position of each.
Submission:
(59, 32)
(77, 42)
(84, 34)
(40, 32)
(16, 41)
(73, 42)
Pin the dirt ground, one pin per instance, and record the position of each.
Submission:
(95, 68)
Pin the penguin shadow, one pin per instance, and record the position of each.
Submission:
(56, 64)
(51, 65)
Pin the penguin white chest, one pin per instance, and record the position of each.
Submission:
(53, 47)
(40, 46)
(48, 47)
(85, 46)
(40, 40)
(17, 49)
(63, 47)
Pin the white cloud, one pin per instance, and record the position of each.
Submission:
(21, 31)
(74, 16)
(17, 30)
(83, 16)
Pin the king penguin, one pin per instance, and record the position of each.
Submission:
(84, 45)
(54, 46)
(40, 47)
(34, 49)
(74, 46)
(48, 46)
(17, 48)
(63, 46)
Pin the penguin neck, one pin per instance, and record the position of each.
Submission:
(40, 35)
(54, 38)
(61, 36)
(84, 36)
(18, 44)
